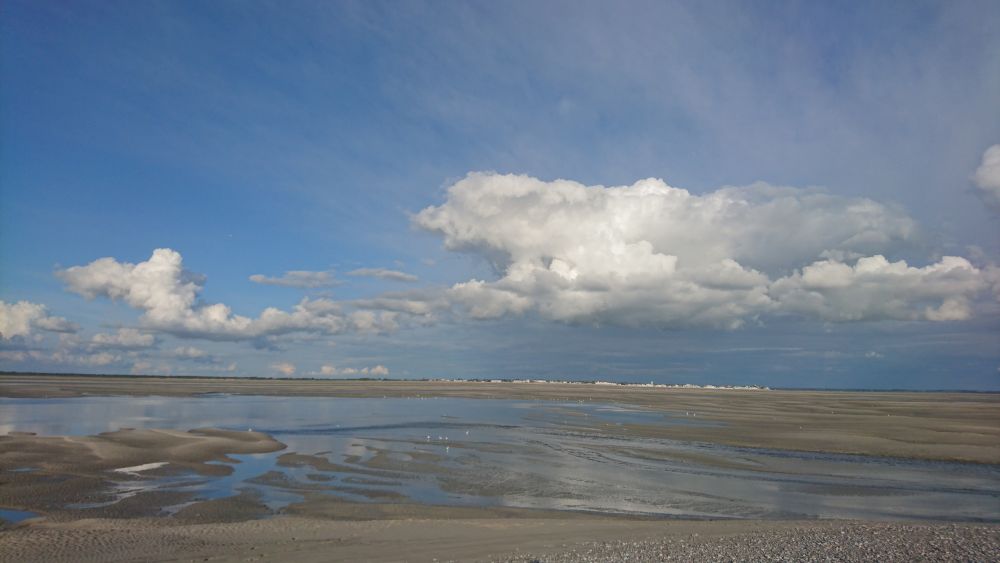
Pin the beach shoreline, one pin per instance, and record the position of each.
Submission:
(934, 426)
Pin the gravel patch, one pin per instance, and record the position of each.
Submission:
(883, 542)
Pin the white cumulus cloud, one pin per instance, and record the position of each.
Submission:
(19, 319)
(284, 368)
(876, 289)
(651, 254)
(168, 296)
(987, 178)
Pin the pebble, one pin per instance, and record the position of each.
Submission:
(883, 542)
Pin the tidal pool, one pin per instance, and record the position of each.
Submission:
(14, 516)
(532, 454)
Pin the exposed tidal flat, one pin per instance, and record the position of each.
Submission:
(118, 468)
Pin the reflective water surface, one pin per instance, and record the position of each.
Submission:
(15, 516)
(517, 453)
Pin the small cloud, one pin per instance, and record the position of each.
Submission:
(874, 355)
(328, 370)
(57, 324)
(99, 359)
(124, 339)
(190, 353)
(142, 367)
(14, 355)
(384, 274)
(19, 319)
(284, 368)
(987, 178)
(299, 278)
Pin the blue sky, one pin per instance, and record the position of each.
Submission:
(262, 138)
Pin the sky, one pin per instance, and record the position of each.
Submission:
(733, 193)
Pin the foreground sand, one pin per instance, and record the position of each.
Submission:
(924, 425)
(497, 539)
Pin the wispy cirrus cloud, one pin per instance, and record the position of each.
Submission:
(190, 353)
(299, 278)
(384, 274)
(329, 370)
(123, 339)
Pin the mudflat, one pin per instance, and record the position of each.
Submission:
(68, 470)
(920, 425)
(75, 470)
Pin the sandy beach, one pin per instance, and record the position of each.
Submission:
(942, 426)
(78, 470)
(496, 539)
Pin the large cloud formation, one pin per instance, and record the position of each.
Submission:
(654, 255)
(21, 318)
(987, 178)
(168, 296)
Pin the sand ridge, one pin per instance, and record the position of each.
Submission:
(68, 470)
(130, 448)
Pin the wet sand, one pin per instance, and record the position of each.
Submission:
(76, 470)
(322, 528)
(941, 426)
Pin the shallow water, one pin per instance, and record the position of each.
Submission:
(14, 516)
(518, 453)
